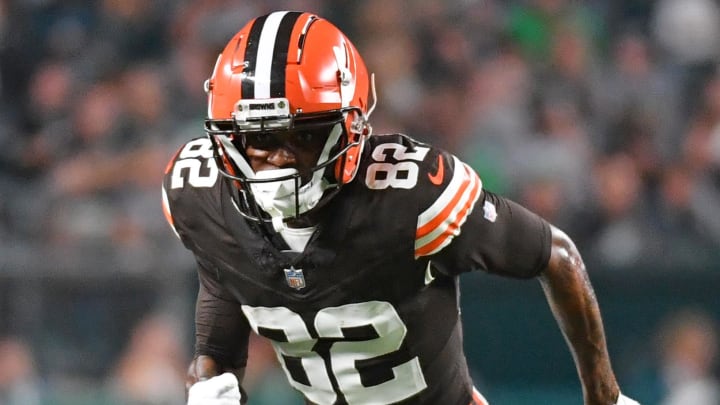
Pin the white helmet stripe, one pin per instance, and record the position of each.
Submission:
(266, 50)
(347, 82)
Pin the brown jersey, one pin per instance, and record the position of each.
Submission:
(369, 312)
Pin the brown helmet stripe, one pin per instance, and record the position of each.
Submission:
(250, 58)
(280, 54)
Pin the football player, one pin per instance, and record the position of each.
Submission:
(342, 248)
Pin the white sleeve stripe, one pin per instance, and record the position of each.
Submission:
(459, 176)
(452, 216)
(266, 48)
(449, 228)
(440, 223)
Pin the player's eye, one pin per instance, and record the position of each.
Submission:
(304, 138)
(263, 140)
(309, 138)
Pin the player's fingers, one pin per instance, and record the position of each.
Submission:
(201, 368)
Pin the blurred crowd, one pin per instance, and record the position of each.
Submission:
(603, 116)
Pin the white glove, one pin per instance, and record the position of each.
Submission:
(623, 400)
(223, 389)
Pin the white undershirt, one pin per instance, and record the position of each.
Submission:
(297, 238)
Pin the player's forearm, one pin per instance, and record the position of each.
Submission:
(208, 383)
(205, 367)
(221, 332)
(573, 303)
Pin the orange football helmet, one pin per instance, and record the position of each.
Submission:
(281, 72)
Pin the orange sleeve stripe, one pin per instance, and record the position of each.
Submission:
(446, 201)
(167, 213)
(453, 227)
(172, 161)
(450, 232)
(444, 214)
(478, 398)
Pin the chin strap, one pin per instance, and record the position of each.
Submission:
(278, 224)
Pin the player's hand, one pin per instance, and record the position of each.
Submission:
(623, 400)
(201, 368)
(219, 390)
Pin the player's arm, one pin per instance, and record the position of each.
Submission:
(204, 367)
(497, 235)
(209, 383)
(215, 375)
(572, 300)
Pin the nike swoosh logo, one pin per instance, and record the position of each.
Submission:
(437, 178)
(428, 274)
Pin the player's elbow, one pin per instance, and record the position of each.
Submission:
(565, 259)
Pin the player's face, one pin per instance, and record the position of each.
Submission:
(296, 149)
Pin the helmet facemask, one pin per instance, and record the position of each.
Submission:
(285, 193)
(280, 75)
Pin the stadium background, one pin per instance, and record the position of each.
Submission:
(603, 116)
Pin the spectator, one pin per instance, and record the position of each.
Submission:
(689, 349)
(18, 380)
(688, 30)
(701, 152)
(616, 231)
(151, 370)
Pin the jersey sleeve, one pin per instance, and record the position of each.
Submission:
(190, 201)
(168, 212)
(165, 200)
(191, 192)
(221, 329)
(455, 189)
(466, 228)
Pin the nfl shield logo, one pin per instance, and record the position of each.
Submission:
(295, 278)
